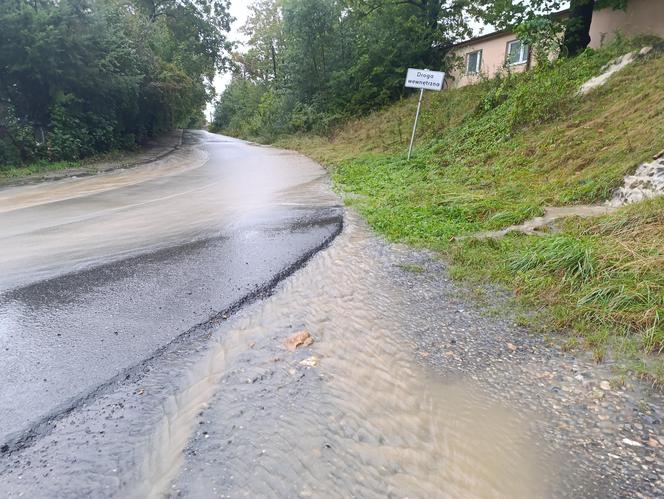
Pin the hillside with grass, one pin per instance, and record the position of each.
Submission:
(498, 153)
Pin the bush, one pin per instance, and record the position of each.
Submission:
(17, 141)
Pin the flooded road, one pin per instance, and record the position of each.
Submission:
(100, 273)
(409, 389)
(355, 414)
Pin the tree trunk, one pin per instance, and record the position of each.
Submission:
(274, 60)
(577, 32)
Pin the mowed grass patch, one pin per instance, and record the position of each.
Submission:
(496, 154)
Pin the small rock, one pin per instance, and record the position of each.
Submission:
(631, 443)
(597, 394)
(310, 361)
(653, 443)
(299, 339)
(511, 347)
(645, 50)
(605, 385)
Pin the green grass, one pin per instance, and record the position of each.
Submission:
(498, 153)
(11, 172)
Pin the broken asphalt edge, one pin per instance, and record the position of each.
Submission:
(24, 438)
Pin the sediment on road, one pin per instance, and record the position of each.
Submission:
(495, 155)
(152, 150)
(407, 387)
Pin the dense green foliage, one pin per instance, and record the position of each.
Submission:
(500, 152)
(313, 63)
(79, 77)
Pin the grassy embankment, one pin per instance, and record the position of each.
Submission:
(11, 172)
(496, 154)
(88, 165)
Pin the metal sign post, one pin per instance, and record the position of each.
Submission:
(424, 80)
(417, 116)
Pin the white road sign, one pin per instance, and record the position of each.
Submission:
(425, 79)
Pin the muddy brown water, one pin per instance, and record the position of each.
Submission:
(354, 415)
(211, 185)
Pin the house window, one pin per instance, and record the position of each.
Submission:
(473, 62)
(517, 52)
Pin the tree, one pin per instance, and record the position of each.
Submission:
(84, 76)
(577, 29)
(264, 29)
(440, 22)
(313, 63)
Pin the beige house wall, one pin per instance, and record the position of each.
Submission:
(494, 54)
(640, 17)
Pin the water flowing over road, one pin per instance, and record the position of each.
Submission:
(158, 368)
(99, 273)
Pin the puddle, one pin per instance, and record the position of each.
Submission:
(368, 421)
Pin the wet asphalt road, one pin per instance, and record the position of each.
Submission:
(143, 316)
(100, 273)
